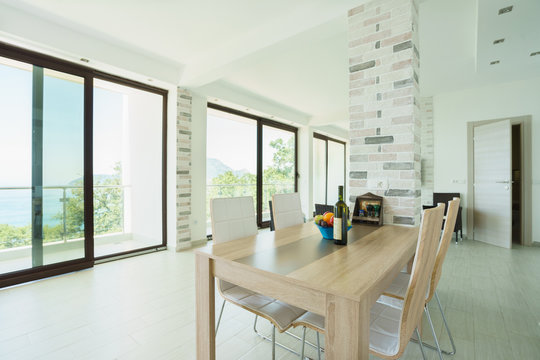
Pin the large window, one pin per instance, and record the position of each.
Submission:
(328, 169)
(247, 155)
(66, 200)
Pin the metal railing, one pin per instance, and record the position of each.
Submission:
(64, 200)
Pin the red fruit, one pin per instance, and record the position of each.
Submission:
(331, 222)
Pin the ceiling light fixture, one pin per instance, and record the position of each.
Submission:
(506, 9)
(494, 62)
(85, 60)
(498, 41)
(535, 53)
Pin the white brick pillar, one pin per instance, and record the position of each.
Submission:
(384, 113)
(426, 115)
(183, 169)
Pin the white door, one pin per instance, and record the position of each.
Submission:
(492, 185)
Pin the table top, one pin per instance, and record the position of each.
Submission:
(299, 253)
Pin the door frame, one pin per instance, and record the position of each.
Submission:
(526, 175)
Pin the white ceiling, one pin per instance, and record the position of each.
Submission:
(294, 53)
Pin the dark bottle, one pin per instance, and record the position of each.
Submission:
(341, 215)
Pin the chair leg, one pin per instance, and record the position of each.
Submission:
(446, 326)
(420, 343)
(318, 346)
(273, 343)
(303, 343)
(426, 310)
(269, 338)
(220, 314)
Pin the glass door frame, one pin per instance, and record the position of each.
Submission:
(326, 139)
(140, 86)
(88, 74)
(261, 121)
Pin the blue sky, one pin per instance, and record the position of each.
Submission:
(62, 131)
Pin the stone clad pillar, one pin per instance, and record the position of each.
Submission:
(384, 113)
(183, 169)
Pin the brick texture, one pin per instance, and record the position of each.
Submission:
(183, 169)
(426, 115)
(385, 124)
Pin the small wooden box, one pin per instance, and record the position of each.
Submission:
(368, 209)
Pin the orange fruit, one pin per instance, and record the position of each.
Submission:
(328, 216)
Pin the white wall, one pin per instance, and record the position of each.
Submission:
(452, 112)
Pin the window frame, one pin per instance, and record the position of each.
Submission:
(262, 121)
(88, 74)
(326, 139)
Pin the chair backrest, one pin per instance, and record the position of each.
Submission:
(232, 218)
(320, 209)
(287, 210)
(415, 297)
(451, 216)
(271, 208)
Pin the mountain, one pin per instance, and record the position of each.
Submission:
(215, 167)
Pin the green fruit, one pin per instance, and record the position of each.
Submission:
(317, 218)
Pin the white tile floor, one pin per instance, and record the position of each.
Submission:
(143, 308)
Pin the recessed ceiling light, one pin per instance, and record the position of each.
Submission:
(150, 80)
(247, 109)
(498, 41)
(494, 62)
(535, 53)
(271, 116)
(506, 9)
(216, 100)
(85, 60)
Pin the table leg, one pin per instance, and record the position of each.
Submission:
(347, 329)
(204, 297)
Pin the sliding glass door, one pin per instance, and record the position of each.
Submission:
(127, 168)
(328, 169)
(42, 166)
(65, 200)
(248, 155)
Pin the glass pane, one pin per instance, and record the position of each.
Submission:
(15, 155)
(41, 145)
(336, 170)
(231, 158)
(127, 168)
(278, 165)
(319, 171)
(63, 195)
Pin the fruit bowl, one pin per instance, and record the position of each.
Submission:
(328, 232)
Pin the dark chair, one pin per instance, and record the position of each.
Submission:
(445, 198)
(322, 208)
(272, 228)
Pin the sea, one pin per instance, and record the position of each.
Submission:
(16, 207)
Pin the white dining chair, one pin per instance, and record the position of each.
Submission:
(391, 327)
(234, 218)
(287, 210)
(398, 287)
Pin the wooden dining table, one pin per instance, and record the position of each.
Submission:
(297, 266)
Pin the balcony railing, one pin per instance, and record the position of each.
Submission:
(65, 192)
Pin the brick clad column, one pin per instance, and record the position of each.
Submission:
(426, 115)
(384, 113)
(183, 169)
